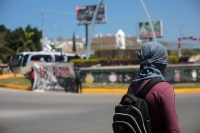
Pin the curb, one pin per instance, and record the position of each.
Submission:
(89, 90)
(11, 76)
(26, 88)
(103, 90)
(123, 91)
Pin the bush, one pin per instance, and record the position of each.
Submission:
(104, 61)
(173, 59)
(79, 61)
(117, 53)
(92, 61)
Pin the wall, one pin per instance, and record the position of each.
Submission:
(125, 74)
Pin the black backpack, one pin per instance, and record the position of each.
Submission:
(131, 115)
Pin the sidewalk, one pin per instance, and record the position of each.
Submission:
(92, 90)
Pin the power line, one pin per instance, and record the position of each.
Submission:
(15, 12)
(60, 19)
(62, 12)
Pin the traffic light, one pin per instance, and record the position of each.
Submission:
(196, 39)
(190, 38)
(179, 41)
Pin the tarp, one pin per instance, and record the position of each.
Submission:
(54, 77)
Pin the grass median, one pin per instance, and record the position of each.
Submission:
(22, 81)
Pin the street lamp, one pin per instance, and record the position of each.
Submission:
(58, 30)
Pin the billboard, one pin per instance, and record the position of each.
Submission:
(145, 29)
(85, 14)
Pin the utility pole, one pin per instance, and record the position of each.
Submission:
(42, 11)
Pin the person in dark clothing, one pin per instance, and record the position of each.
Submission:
(78, 79)
(31, 77)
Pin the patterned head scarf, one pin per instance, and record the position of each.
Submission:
(153, 61)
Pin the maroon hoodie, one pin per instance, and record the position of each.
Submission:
(161, 104)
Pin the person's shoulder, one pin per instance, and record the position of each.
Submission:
(163, 87)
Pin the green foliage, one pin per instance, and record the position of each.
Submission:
(83, 61)
(92, 61)
(92, 57)
(5, 51)
(117, 53)
(53, 47)
(78, 61)
(26, 43)
(18, 40)
(35, 37)
(74, 43)
(173, 59)
(24, 40)
(190, 52)
(104, 61)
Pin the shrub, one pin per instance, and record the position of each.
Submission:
(79, 61)
(173, 59)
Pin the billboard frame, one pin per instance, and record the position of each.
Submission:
(88, 18)
(145, 29)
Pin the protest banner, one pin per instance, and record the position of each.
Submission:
(54, 77)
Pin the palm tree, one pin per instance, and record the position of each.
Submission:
(36, 37)
(26, 43)
(5, 51)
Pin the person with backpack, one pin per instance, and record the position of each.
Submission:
(149, 95)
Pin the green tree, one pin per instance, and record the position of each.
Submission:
(35, 37)
(5, 51)
(53, 47)
(3, 29)
(26, 43)
(12, 38)
(74, 43)
(24, 40)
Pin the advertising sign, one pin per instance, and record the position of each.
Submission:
(54, 77)
(86, 13)
(145, 29)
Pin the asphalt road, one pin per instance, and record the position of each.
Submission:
(55, 112)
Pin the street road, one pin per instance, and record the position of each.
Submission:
(56, 112)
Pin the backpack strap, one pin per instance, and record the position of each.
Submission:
(147, 87)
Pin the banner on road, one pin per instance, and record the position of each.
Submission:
(54, 77)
